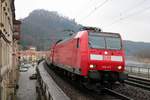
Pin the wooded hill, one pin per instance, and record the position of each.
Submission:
(41, 28)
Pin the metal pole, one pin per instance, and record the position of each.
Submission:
(148, 72)
(138, 70)
(131, 69)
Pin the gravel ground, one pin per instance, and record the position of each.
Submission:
(26, 89)
(75, 93)
(78, 94)
(134, 92)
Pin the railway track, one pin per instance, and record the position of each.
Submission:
(117, 95)
(105, 94)
(138, 82)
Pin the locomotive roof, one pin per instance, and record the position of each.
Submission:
(96, 30)
(109, 34)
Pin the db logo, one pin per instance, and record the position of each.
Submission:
(106, 57)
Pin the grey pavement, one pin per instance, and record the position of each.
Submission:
(27, 87)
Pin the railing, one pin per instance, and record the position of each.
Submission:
(49, 88)
(139, 71)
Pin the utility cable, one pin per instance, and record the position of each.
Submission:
(128, 16)
(95, 9)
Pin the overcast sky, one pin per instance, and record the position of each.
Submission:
(130, 18)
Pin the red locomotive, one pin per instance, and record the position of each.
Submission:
(91, 54)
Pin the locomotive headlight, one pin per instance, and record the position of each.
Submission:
(92, 66)
(119, 67)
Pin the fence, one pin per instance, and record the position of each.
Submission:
(140, 71)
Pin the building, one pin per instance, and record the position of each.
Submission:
(31, 55)
(28, 55)
(9, 37)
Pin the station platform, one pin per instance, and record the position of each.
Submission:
(27, 87)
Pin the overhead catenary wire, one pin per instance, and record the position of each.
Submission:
(133, 7)
(95, 9)
(87, 3)
(128, 16)
(123, 13)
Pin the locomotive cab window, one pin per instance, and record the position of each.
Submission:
(113, 43)
(105, 41)
(96, 42)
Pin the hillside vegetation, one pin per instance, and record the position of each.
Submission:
(42, 28)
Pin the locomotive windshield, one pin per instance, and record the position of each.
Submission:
(104, 41)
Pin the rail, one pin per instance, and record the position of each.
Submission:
(139, 71)
(50, 89)
(114, 93)
(138, 82)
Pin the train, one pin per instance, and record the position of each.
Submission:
(91, 54)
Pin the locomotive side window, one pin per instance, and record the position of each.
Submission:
(104, 41)
(78, 44)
